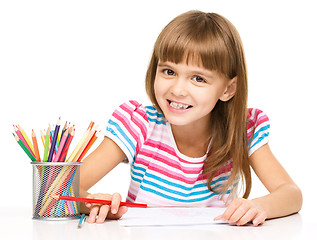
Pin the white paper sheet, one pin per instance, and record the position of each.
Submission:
(168, 216)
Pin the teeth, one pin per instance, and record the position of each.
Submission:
(178, 105)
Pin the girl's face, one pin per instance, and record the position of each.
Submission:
(187, 93)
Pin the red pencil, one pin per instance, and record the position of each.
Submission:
(90, 143)
(66, 145)
(100, 201)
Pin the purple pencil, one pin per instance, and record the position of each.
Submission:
(50, 156)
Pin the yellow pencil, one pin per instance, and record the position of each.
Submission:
(84, 144)
(26, 138)
(74, 153)
(43, 138)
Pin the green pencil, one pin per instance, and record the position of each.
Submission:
(46, 145)
(24, 148)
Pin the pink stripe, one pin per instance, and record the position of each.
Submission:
(177, 176)
(173, 175)
(160, 134)
(134, 118)
(135, 103)
(249, 135)
(169, 173)
(121, 118)
(131, 196)
(130, 110)
(172, 163)
(140, 125)
(168, 149)
(140, 111)
(256, 119)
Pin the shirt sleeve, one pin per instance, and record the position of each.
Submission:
(258, 129)
(127, 127)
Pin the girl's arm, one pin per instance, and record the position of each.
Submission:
(101, 161)
(285, 197)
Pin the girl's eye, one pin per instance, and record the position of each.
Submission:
(168, 72)
(198, 79)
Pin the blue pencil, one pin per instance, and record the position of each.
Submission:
(50, 157)
(81, 221)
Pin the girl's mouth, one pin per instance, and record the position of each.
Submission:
(177, 105)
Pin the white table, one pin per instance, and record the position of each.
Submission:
(18, 224)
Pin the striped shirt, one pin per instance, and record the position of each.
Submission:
(160, 174)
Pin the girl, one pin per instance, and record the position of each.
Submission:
(195, 145)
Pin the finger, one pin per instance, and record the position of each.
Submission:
(93, 214)
(259, 219)
(103, 212)
(238, 214)
(247, 217)
(115, 203)
(122, 210)
(231, 209)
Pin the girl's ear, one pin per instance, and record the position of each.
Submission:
(230, 90)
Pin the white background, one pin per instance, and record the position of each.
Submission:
(80, 59)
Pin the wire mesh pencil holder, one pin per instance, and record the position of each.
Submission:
(51, 179)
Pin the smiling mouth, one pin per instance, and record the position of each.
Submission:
(178, 105)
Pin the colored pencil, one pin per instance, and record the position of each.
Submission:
(90, 125)
(81, 221)
(56, 145)
(91, 142)
(26, 139)
(43, 138)
(84, 144)
(47, 143)
(99, 201)
(19, 134)
(36, 148)
(66, 146)
(60, 147)
(24, 148)
(55, 189)
(63, 130)
(75, 151)
(50, 157)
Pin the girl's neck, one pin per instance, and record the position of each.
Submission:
(192, 141)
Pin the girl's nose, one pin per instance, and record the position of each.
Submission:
(179, 87)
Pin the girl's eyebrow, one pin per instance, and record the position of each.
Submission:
(164, 65)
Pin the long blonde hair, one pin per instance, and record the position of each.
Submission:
(211, 40)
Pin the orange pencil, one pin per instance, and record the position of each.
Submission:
(90, 143)
(83, 144)
(91, 124)
(36, 147)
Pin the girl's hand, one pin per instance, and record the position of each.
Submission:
(241, 211)
(101, 212)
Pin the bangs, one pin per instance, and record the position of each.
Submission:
(199, 42)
